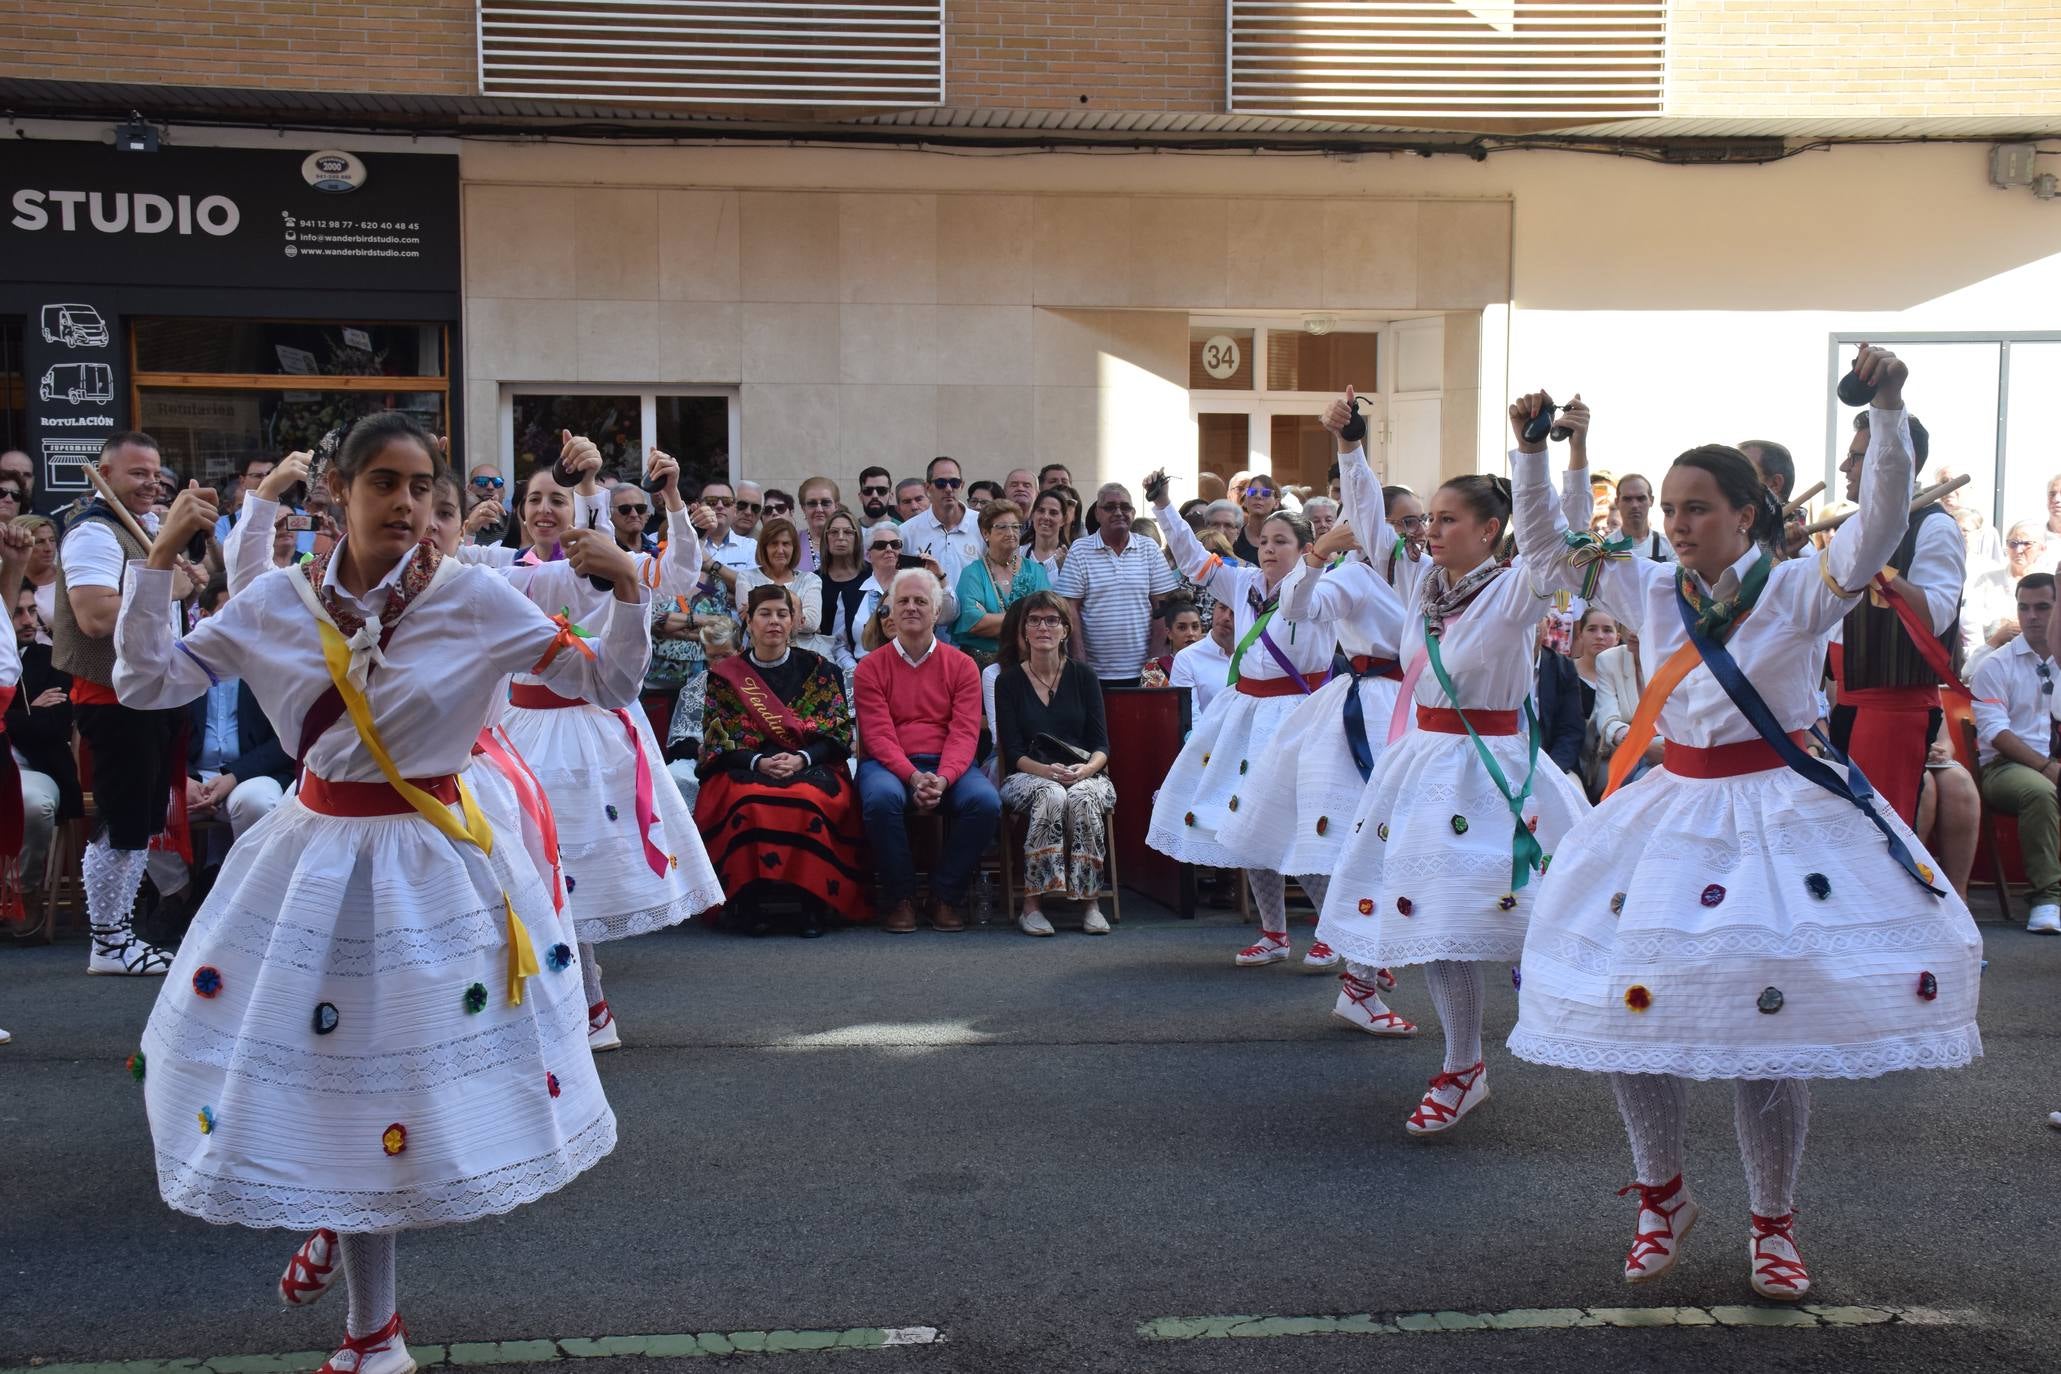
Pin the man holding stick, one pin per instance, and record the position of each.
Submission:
(134, 752)
(1898, 642)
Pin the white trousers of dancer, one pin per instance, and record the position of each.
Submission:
(1771, 1115)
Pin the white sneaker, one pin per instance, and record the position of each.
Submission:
(1321, 955)
(385, 1351)
(1033, 923)
(1267, 950)
(2046, 919)
(601, 1031)
(1094, 922)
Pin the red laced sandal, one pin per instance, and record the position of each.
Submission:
(1777, 1265)
(1359, 1005)
(1452, 1096)
(601, 1031)
(1666, 1216)
(309, 1272)
(1270, 949)
(1321, 955)
(384, 1351)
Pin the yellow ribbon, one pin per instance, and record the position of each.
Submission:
(522, 955)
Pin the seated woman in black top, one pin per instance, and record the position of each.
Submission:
(1053, 749)
(778, 809)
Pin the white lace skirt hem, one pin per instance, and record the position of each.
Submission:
(1211, 781)
(1947, 1049)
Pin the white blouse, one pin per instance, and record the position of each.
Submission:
(442, 678)
(1780, 646)
(1308, 646)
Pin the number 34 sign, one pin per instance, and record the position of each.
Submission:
(1220, 357)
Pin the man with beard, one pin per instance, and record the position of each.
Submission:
(876, 496)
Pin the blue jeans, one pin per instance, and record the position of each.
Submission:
(971, 811)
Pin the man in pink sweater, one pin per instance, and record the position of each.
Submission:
(919, 718)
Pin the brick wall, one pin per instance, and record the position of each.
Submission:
(414, 46)
(1861, 58)
(1085, 54)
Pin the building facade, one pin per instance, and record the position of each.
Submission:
(1116, 236)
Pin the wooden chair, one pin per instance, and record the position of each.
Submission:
(1011, 832)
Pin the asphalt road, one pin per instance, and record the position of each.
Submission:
(1036, 1146)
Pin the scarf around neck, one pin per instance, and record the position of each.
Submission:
(1445, 598)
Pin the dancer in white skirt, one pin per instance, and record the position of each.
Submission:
(1744, 912)
(632, 856)
(1457, 821)
(369, 1027)
(1274, 667)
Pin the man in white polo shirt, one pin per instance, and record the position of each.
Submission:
(1111, 584)
(948, 531)
(715, 516)
(2014, 727)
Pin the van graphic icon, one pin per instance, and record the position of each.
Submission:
(74, 326)
(78, 383)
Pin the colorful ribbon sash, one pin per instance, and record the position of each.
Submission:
(1525, 853)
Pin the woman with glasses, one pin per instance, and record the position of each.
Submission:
(1052, 750)
(779, 505)
(1404, 554)
(1044, 535)
(844, 575)
(1000, 578)
(819, 497)
(1275, 666)
(883, 560)
(1261, 499)
(779, 554)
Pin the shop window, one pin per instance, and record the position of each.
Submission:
(206, 433)
(698, 427)
(286, 348)
(1300, 361)
(14, 394)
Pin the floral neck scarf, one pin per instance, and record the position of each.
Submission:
(367, 638)
(1445, 598)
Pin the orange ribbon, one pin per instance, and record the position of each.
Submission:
(569, 635)
(1632, 747)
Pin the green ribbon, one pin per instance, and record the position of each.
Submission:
(1525, 854)
(1589, 555)
(1714, 617)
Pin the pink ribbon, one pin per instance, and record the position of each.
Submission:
(1405, 697)
(647, 815)
(529, 794)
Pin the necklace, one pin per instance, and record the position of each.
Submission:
(1008, 570)
(1051, 689)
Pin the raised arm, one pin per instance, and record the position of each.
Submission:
(247, 553)
(1540, 515)
(1353, 592)
(680, 564)
(1861, 547)
(607, 669)
(1196, 563)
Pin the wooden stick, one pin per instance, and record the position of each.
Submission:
(1804, 499)
(114, 504)
(1918, 503)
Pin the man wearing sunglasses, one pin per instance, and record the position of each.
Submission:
(721, 545)
(744, 516)
(876, 496)
(629, 510)
(948, 532)
(1112, 584)
(1261, 500)
(2015, 732)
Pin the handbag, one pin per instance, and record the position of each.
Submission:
(1050, 749)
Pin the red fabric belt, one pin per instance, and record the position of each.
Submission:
(537, 697)
(1367, 666)
(1726, 760)
(358, 799)
(1446, 721)
(1892, 698)
(1279, 686)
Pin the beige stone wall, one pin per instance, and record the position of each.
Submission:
(885, 326)
(1861, 58)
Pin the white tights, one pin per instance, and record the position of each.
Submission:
(1457, 992)
(590, 975)
(1772, 1117)
(112, 878)
(368, 1265)
(1270, 896)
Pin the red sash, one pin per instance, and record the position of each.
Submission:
(765, 709)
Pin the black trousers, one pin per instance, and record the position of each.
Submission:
(134, 763)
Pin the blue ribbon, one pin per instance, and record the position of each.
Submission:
(1356, 730)
(1853, 788)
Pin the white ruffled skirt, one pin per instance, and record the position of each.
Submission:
(1305, 789)
(584, 757)
(1211, 782)
(1745, 927)
(1425, 874)
(334, 1044)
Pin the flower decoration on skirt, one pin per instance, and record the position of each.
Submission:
(1232, 805)
(1712, 895)
(134, 1064)
(1381, 831)
(1405, 905)
(551, 1083)
(476, 998)
(1366, 906)
(1617, 904)
(558, 957)
(1818, 885)
(207, 980)
(1770, 1001)
(394, 1138)
(613, 814)
(1928, 987)
(1459, 825)
(1637, 997)
(1323, 824)
(206, 1116)
(1507, 902)
(325, 1018)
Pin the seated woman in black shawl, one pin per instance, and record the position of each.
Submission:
(777, 808)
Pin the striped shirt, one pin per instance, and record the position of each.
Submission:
(1114, 592)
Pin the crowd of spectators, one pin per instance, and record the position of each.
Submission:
(941, 646)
